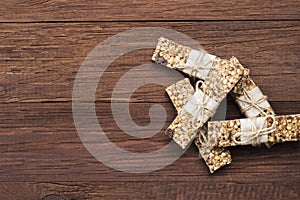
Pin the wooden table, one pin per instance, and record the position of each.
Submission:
(42, 46)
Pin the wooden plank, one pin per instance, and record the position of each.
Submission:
(39, 61)
(147, 190)
(38, 138)
(118, 10)
(38, 142)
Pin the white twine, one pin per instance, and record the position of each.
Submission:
(252, 103)
(201, 109)
(254, 135)
(196, 67)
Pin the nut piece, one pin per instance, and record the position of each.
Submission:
(170, 53)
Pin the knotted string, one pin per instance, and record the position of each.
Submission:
(205, 141)
(251, 102)
(195, 67)
(256, 132)
(201, 108)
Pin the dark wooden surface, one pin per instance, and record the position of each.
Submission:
(42, 46)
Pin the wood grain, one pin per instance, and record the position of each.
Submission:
(148, 190)
(119, 10)
(42, 46)
(40, 61)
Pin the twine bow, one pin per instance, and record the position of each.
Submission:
(207, 142)
(255, 133)
(201, 109)
(196, 67)
(252, 103)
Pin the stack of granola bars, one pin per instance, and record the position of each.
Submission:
(196, 104)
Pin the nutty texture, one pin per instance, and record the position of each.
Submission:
(287, 128)
(180, 92)
(170, 54)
